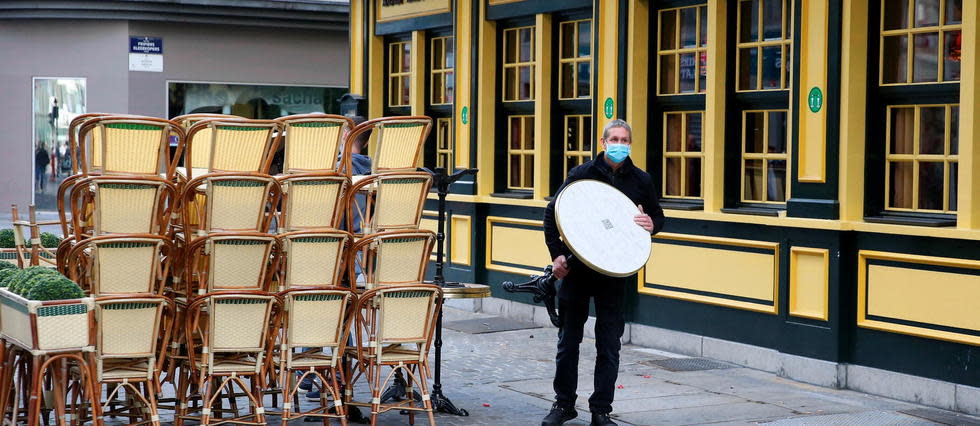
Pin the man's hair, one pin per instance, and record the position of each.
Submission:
(616, 123)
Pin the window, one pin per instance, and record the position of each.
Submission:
(682, 154)
(443, 81)
(682, 56)
(520, 152)
(444, 145)
(399, 73)
(575, 60)
(762, 71)
(518, 64)
(578, 140)
(917, 100)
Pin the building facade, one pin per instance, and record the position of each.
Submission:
(258, 59)
(817, 160)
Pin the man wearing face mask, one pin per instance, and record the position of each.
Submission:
(580, 283)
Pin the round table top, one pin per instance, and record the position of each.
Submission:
(467, 291)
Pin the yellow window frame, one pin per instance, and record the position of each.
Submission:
(440, 71)
(786, 43)
(398, 77)
(580, 154)
(765, 156)
(524, 153)
(701, 48)
(915, 157)
(683, 155)
(909, 32)
(444, 143)
(575, 60)
(518, 65)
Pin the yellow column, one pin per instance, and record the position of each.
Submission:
(968, 215)
(607, 64)
(417, 94)
(356, 35)
(854, 63)
(637, 77)
(714, 108)
(542, 105)
(464, 74)
(812, 165)
(487, 98)
(376, 71)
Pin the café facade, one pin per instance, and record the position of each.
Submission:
(817, 162)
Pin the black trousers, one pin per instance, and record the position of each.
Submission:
(581, 285)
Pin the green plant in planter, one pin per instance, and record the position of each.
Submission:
(22, 282)
(54, 287)
(7, 265)
(50, 240)
(4, 273)
(7, 238)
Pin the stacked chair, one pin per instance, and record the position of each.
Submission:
(212, 275)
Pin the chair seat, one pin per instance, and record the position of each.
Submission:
(229, 366)
(116, 369)
(320, 360)
(197, 171)
(393, 353)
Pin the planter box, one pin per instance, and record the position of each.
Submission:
(51, 326)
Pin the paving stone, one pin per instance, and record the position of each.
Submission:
(707, 414)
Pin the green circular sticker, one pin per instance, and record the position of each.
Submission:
(465, 115)
(815, 99)
(609, 107)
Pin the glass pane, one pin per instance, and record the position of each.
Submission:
(437, 54)
(510, 83)
(393, 91)
(900, 185)
(444, 133)
(437, 92)
(393, 61)
(689, 27)
(776, 183)
(571, 134)
(688, 72)
(673, 130)
(747, 69)
(525, 82)
(692, 188)
(515, 170)
(896, 14)
(570, 163)
(703, 39)
(693, 132)
(772, 19)
(925, 54)
(902, 130)
(754, 136)
(587, 132)
(515, 133)
(673, 169)
(953, 185)
(894, 56)
(748, 20)
(772, 67)
(584, 79)
(668, 30)
(450, 48)
(926, 13)
(753, 181)
(406, 57)
(567, 40)
(931, 185)
(952, 44)
(528, 171)
(585, 38)
(932, 130)
(406, 90)
(702, 71)
(668, 74)
(777, 132)
(954, 130)
(568, 80)
(528, 133)
(510, 46)
(450, 86)
(954, 11)
(527, 48)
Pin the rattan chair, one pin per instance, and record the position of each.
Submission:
(394, 328)
(130, 145)
(202, 150)
(231, 201)
(395, 144)
(312, 258)
(313, 142)
(121, 264)
(234, 145)
(227, 335)
(390, 201)
(230, 261)
(313, 201)
(315, 325)
(74, 156)
(121, 205)
(391, 258)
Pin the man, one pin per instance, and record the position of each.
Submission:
(580, 283)
(41, 161)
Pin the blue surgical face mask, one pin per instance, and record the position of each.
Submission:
(617, 152)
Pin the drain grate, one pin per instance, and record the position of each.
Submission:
(687, 364)
(941, 417)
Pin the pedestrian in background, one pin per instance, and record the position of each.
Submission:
(41, 161)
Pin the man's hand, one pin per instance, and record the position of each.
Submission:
(643, 220)
(560, 267)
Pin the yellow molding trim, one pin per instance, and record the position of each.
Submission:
(464, 239)
(488, 258)
(708, 300)
(968, 202)
(794, 284)
(737, 242)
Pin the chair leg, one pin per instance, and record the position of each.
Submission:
(409, 394)
(375, 394)
(287, 393)
(181, 397)
(424, 391)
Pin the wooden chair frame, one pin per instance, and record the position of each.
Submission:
(271, 145)
(98, 123)
(370, 186)
(340, 149)
(82, 196)
(367, 249)
(286, 263)
(199, 261)
(377, 127)
(81, 269)
(287, 182)
(203, 185)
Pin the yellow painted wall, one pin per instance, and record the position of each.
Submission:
(809, 277)
(462, 232)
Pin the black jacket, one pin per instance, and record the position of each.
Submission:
(635, 183)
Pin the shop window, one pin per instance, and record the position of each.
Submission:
(764, 156)
(921, 158)
(920, 41)
(682, 50)
(575, 59)
(444, 143)
(764, 45)
(399, 73)
(443, 82)
(520, 152)
(578, 140)
(682, 173)
(519, 57)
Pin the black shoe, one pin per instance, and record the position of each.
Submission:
(306, 384)
(600, 419)
(559, 415)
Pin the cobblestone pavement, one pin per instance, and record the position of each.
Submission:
(504, 378)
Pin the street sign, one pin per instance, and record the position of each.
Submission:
(146, 54)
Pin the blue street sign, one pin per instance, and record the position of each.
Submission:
(146, 45)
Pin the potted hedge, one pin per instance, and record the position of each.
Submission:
(42, 310)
